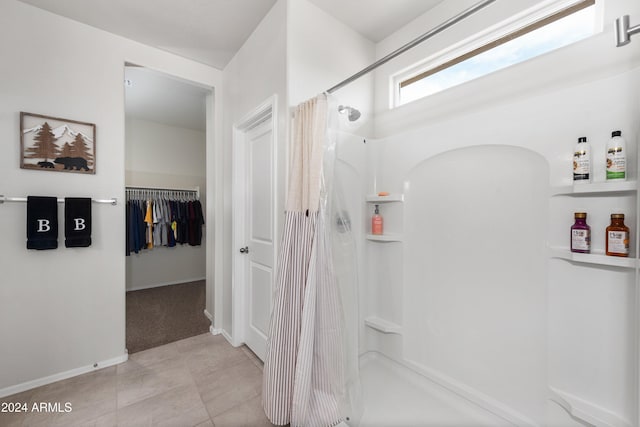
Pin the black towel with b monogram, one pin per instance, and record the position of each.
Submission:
(42, 222)
(77, 222)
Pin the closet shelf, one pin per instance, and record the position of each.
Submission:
(384, 237)
(374, 198)
(383, 326)
(592, 258)
(595, 188)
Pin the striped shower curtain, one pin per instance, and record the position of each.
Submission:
(303, 373)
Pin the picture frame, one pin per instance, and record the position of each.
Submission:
(54, 144)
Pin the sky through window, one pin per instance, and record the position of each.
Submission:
(562, 32)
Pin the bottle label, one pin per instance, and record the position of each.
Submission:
(618, 242)
(580, 240)
(376, 225)
(616, 163)
(581, 165)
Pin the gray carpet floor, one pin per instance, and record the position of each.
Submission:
(165, 314)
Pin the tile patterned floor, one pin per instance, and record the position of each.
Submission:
(201, 381)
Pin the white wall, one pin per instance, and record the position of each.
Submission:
(256, 72)
(321, 52)
(162, 156)
(63, 310)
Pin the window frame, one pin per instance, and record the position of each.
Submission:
(494, 36)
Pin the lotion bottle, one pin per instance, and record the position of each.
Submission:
(582, 162)
(616, 157)
(376, 222)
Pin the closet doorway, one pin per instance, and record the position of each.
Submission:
(165, 166)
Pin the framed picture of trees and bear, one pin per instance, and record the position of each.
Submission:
(57, 145)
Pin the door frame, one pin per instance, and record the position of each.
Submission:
(214, 179)
(267, 110)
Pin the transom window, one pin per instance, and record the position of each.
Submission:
(498, 51)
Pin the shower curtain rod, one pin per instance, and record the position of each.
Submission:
(448, 23)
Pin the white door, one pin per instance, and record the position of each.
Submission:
(258, 247)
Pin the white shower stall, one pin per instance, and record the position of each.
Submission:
(472, 309)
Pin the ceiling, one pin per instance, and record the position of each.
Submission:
(160, 98)
(210, 32)
(376, 19)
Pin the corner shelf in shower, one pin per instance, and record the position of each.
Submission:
(592, 258)
(595, 188)
(394, 197)
(383, 326)
(384, 237)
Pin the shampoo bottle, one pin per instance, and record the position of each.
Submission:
(580, 234)
(617, 237)
(376, 222)
(616, 157)
(582, 162)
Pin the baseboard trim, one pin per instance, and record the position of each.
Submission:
(226, 335)
(19, 388)
(212, 330)
(173, 282)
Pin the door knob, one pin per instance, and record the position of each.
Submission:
(244, 250)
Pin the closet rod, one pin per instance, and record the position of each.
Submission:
(195, 191)
(432, 32)
(132, 187)
(3, 199)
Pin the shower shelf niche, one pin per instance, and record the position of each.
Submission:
(393, 220)
(384, 237)
(383, 326)
(595, 191)
(394, 197)
(592, 258)
(595, 188)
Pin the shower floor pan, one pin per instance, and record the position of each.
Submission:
(394, 395)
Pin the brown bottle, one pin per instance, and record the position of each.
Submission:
(617, 236)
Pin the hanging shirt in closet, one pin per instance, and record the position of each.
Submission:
(148, 218)
(136, 226)
(157, 223)
(196, 221)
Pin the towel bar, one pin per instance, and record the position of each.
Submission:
(3, 199)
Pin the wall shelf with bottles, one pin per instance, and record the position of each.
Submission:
(592, 258)
(589, 194)
(596, 188)
(385, 249)
(392, 217)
